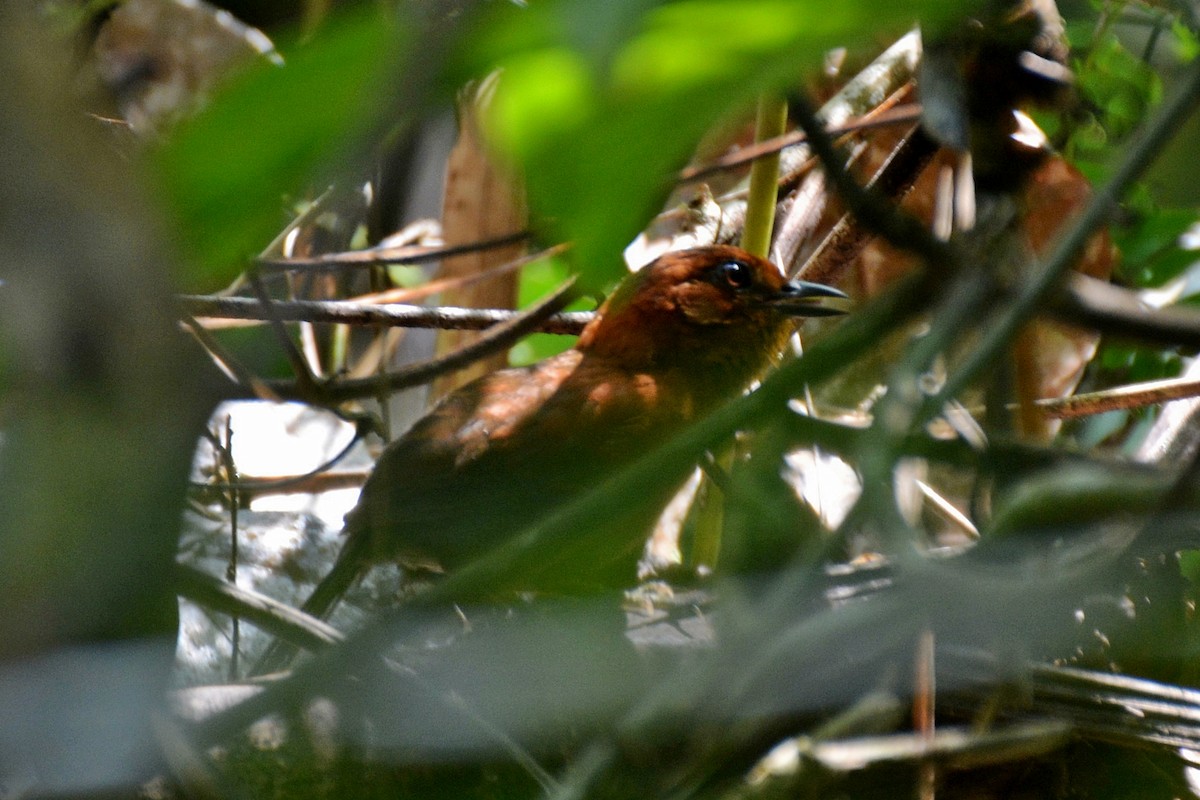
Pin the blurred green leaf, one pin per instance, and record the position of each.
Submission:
(407, 275)
(1128, 364)
(1173, 176)
(1187, 46)
(1150, 251)
(226, 172)
(599, 105)
(1121, 88)
(1069, 497)
(1093, 430)
(1189, 565)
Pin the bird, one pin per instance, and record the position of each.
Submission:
(674, 340)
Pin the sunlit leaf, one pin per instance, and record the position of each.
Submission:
(598, 120)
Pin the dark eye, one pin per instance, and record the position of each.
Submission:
(736, 273)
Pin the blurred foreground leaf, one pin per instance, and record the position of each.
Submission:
(599, 104)
(225, 172)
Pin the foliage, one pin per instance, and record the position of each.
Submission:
(597, 105)
(225, 173)
(600, 102)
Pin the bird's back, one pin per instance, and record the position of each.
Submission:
(503, 452)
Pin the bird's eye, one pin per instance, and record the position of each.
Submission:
(736, 273)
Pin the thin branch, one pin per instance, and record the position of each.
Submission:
(1135, 395)
(245, 485)
(374, 256)
(272, 616)
(908, 113)
(1120, 312)
(401, 295)
(231, 569)
(848, 237)
(304, 378)
(873, 210)
(364, 313)
(494, 339)
(228, 364)
(301, 484)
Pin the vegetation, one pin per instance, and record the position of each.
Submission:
(950, 549)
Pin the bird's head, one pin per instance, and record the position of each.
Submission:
(715, 309)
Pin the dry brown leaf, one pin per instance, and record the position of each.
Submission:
(481, 201)
(1051, 357)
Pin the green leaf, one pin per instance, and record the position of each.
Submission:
(1119, 363)
(1120, 85)
(1189, 565)
(1187, 46)
(598, 121)
(1150, 251)
(225, 174)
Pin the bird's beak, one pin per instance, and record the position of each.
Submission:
(799, 298)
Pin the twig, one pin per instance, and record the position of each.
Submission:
(226, 362)
(246, 485)
(272, 616)
(1134, 395)
(231, 569)
(847, 239)
(496, 338)
(874, 211)
(1119, 312)
(808, 198)
(375, 256)
(305, 381)
(436, 286)
(883, 119)
(366, 313)
(302, 484)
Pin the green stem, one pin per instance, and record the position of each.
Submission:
(764, 178)
(756, 238)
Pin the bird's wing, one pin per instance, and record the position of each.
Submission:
(505, 450)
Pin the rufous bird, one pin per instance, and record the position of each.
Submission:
(676, 339)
